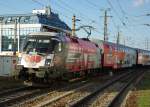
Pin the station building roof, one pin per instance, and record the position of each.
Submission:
(51, 20)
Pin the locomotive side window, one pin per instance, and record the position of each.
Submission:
(56, 45)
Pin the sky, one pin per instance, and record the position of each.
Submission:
(127, 16)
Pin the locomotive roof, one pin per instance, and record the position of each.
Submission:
(43, 34)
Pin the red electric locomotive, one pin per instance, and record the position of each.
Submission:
(54, 55)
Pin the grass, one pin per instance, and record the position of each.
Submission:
(144, 91)
(144, 98)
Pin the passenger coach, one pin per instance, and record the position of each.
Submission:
(116, 56)
(143, 57)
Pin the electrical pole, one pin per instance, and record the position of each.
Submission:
(15, 37)
(118, 37)
(1, 22)
(73, 25)
(147, 44)
(106, 25)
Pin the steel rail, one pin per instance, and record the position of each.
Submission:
(103, 87)
(116, 101)
(32, 100)
(9, 97)
(9, 91)
(59, 97)
(46, 103)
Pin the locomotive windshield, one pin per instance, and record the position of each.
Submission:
(42, 45)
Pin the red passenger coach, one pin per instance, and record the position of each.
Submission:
(113, 55)
(116, 56)
(108, 58)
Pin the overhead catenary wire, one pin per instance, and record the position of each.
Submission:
(38, 3)
(71, 10)
(116, 13)
(118, 16)
(68, 17)
(126, 16)
(122, 10)
(125, 13)
(123, 23)
(125, 20)
(93, 4)
(75, 11)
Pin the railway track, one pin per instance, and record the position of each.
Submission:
(107, 95)
(8, 91)
(58, 92)
(25, 96)
(118, 99)
(126, 92)
(10, 97)
(77, 94)
(66, 96)
(13, 97)
(36, 101)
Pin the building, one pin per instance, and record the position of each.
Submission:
(14, 28)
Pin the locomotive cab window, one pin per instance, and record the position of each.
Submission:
(42, 45)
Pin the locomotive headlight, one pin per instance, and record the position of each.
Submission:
(48, 62)
(59, 47)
